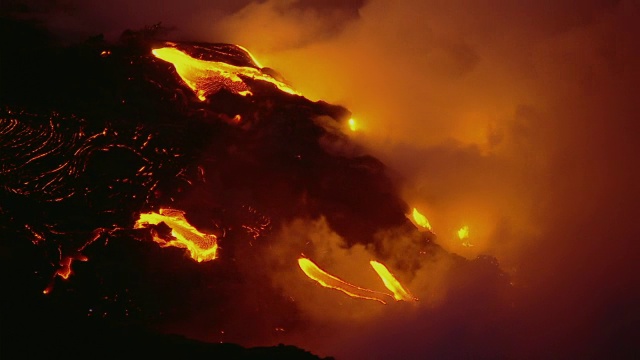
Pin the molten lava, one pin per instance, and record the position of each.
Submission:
(201, 246)
(65, 268)
(323, 278)
(420, 219)
(64, 271)
(352, 124)
(463, 234)
(208, 77)
(391, 283)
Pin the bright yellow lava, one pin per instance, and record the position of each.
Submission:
(391, 283)
(421, 219)
(352, 124)
(201, 246)
(463, 233)
(207, 77)
(255, 61)
(329, 281)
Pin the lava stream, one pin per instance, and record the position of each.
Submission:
(207, 77)
(391, 283)
(201, 246)
(327, 280)
(420, 219)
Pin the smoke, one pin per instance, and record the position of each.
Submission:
(335, 324)
(72, 20)
(516, 119)
(300, 22)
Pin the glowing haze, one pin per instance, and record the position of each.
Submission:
(516, 120)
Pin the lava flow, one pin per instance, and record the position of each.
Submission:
(201, 246)
(420, 219)
(463, 234)
(391, 283)
(353, 126)
(64, 271)
(330, 281)
(327, 280)
(208, 77)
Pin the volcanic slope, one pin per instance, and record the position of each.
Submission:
(93, 135)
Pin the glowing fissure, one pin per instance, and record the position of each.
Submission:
(201, 246)
(207, 77)
(65, 268)
(329, 281)
(64, 271)
(420, 219)
(391, 283)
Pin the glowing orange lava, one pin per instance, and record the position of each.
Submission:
(201, 246)
(65, 268)
(64, 271)
(463, 234)
(353, 126)
(420, 219)
(207, 77)
(329, 281)
(391, 283)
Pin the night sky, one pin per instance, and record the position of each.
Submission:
(518, 119)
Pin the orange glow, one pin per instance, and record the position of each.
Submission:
(207, 77)
(201, 246)
(420, 219)
(391, 283)
(329, 281)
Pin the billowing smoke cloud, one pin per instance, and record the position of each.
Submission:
(515, 118)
